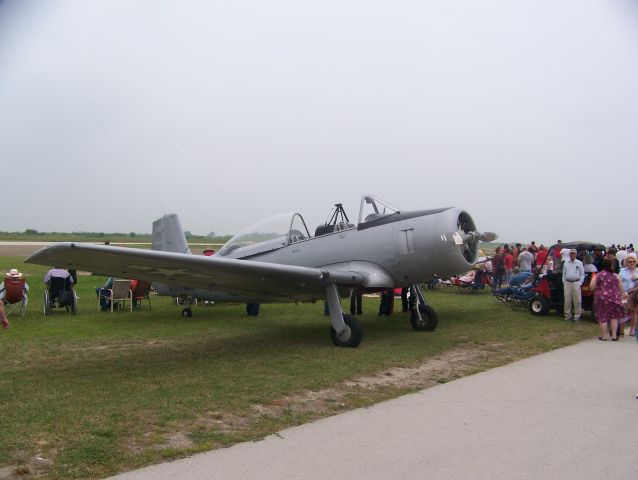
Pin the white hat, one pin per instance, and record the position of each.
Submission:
(14, 273)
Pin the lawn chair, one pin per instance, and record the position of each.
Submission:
(140, 291)
(15, 297)
(119, 293)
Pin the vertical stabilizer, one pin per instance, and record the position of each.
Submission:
(168, 235)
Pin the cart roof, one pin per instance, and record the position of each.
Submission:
(580, 245)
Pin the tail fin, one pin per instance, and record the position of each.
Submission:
(168, 235)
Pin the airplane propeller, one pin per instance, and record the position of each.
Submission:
(460, 238)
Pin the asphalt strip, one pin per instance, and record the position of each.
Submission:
(567, 414)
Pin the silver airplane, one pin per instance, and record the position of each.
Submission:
(277, 260)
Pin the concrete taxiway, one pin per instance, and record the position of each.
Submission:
(567, 414)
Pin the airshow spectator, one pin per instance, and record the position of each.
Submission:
(498, 269)
(525, 260)
(621, 255)
(509, 263)
(57, 272)
(629, 277)
(516, 252)
(557, 249)
(611, 255)
(13, 273)
(356, 302)
(520, 277)
(541, 255)
(608, 295)
(573, 278)
(598, 258)
(588, 263)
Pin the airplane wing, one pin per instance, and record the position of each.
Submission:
(270, 280)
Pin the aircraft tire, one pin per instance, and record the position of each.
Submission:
(539, 305)
(356, 333)
(429, 319)
(187, 313)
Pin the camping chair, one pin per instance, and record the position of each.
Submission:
(15, 298)
(140, 292)
(59, 293)
(120, 292)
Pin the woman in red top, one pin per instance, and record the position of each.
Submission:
(509, 263)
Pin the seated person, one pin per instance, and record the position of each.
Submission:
(468, 277)
(519, 278)
(57, 272)
(103, 294)
(15, 274)
(520, 283)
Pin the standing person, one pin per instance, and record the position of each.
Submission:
(509, 263)
(629, 277)
(356, 302)
(611, 255)
(573, 278)
(498, 269)
(541, 255)
(525, 260)
(608, 293)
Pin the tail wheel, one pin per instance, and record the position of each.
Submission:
(427, 321)
(351, 337)
(187, 313)
(539, 305)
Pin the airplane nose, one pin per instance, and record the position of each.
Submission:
(465, 235)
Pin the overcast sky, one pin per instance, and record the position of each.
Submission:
(525, 113)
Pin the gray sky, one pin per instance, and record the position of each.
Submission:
(525, 113)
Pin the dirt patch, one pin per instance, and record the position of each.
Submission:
(313, 404)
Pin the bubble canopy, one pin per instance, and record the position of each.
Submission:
(268, 234)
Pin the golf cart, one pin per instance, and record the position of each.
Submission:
(548, 288)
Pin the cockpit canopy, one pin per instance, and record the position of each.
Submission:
(372, 209)
(268, 234)
(286, 228)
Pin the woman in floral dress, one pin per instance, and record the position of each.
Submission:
(608, 299)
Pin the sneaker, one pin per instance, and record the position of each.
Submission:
(568, 319)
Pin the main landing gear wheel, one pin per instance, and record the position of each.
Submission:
(539, 305)
(187, 313)
(428, 320)
(351, 336)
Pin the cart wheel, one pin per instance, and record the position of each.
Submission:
(539, 305)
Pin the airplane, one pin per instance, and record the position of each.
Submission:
(277, 260)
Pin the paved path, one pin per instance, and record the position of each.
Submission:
(568, 414)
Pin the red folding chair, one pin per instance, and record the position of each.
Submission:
(15, 298)
(140, 290)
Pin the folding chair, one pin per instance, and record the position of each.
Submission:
(15, 298)
(140, 292)
(120, 292)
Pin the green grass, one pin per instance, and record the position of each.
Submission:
(98, 393)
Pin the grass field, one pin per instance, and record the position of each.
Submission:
(96, 393)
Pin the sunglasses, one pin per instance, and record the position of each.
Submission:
(631, 261)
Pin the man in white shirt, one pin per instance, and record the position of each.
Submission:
(573, 278)
(525, 260)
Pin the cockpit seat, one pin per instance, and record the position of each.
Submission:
(324, 229)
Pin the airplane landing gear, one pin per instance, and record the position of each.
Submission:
(349, 337)
(345, 330)
(187, 313)
(423, 317)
